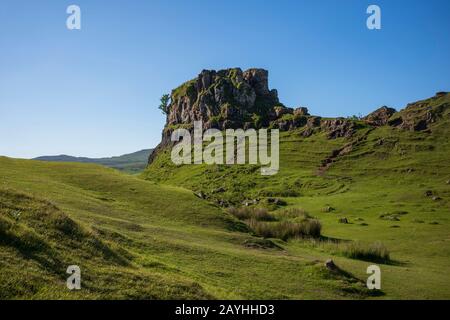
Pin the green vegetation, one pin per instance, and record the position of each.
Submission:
(132, 163)
(247, 213)
(375, 252)
(186, 89)
(164, 104)
(286, 230)
(391, 186)
(292, 223)
(134, 239)
(173, 236)
(372, 252)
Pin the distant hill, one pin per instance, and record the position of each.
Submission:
(132, 163)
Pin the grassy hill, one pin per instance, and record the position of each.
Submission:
(390, 184)
(135, 239)
(156, 239)
(131, 163)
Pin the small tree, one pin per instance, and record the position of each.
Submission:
(164, 105)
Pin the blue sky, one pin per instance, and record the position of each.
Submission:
(94, 92)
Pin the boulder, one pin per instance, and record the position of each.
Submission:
(301, 111)
(281, 111)
(328, 209)
(311, 124)
(338, 128)
(330, 265)
(343, 220)
(379, 117)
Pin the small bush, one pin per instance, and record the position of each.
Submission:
(286, 229)
(262, 214)
(376, 252)
(294, 213)
(245, 213)
(286, 224)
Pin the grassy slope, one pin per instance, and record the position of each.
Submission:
(135, 239)
(373, 179)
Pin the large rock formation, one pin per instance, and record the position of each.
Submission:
(224, 99)
(229, 99)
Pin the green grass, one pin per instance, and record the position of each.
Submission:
(154, 239)
(134, 239)
(371, 252)
(379, 186)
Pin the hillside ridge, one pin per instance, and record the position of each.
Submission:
(130, 162)
(232, 99)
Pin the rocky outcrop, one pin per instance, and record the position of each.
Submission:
(225, 99)
(338, 128)
(229, 99)
(281, 111)
(379, 117)
(420, 115)
(342, 151)
(312, 124)
(301, 111)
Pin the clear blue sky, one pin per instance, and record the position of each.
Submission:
(94, 92)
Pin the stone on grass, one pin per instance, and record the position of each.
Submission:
(343, 220)
(330, 265)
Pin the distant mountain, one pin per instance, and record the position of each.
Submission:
(132, 163)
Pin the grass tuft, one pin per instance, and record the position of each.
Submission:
(246, 213)
(285, 230)
(375, 252)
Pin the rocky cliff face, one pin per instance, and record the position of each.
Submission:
(224, 99)
(380, 117)
(229, 99)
